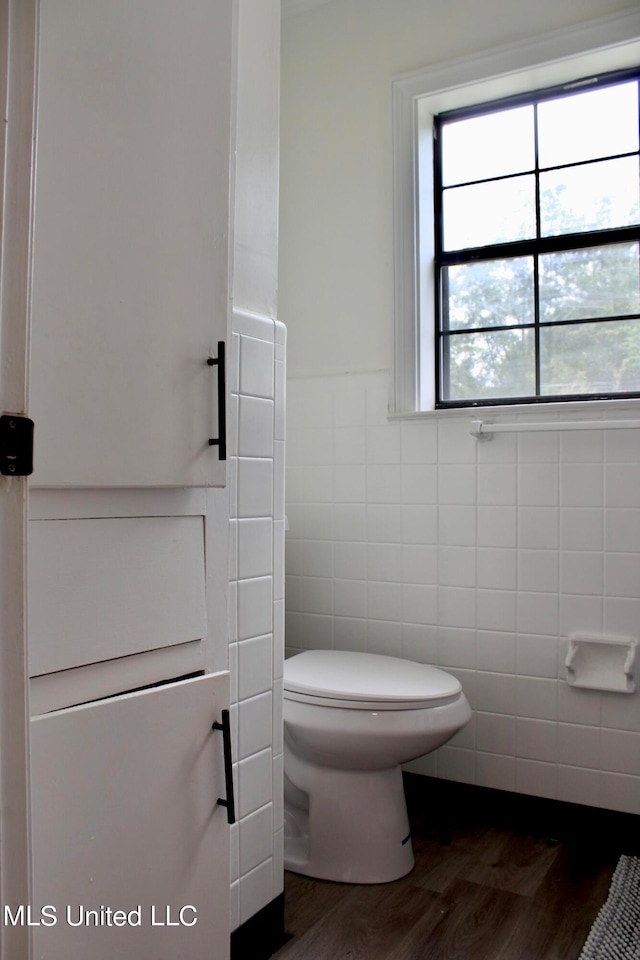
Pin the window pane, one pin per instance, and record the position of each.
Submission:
(487, 365)
(493, 293)
(485, 213)
(595, 282)
(599, 123)
(596, 196)
(490, 146)
(590, 358)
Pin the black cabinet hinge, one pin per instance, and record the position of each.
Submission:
(16, 446)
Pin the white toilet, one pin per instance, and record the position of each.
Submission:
(350, 720)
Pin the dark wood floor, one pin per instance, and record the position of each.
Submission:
(491, 882)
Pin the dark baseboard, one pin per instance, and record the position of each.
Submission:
(262, 934)
(446, 802)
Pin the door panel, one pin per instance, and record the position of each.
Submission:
(125, 818)
(131, 240)
(101, 589)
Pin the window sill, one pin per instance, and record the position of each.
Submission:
(576, 409)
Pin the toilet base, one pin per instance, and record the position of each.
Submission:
(345, 825)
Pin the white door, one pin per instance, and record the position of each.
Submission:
(131, 241)
(130, 847)
(17, 56)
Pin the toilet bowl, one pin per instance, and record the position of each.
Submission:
(350, 720)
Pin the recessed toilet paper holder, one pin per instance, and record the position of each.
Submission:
(602, 663)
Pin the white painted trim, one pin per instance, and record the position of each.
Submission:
(613, 42)
(18, 59)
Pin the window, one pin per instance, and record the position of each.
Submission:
(537, 242)
(516, 81)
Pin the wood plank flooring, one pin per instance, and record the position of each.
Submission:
(485, 887)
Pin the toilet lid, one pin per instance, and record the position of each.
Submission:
(367, 678)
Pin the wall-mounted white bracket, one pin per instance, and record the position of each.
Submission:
(602, 663)
(479, 431)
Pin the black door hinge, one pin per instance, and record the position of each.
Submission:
(16, 446)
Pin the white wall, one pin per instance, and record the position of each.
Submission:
(409, 537)
(336, 216)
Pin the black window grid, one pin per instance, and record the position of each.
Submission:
(532, 247)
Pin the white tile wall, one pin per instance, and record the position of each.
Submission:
(410, 538)
(256, 426)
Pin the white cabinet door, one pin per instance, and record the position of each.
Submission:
(131, 240)
(125, 818)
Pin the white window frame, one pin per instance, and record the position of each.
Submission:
(606, 44)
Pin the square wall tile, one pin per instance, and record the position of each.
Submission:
(254, 607)
(496, 693)
(496, 651)
(538, 613)
(255, 548)
(579, 745)
(254, 782)
(256, 889)
(419, 603)
(457, 484)
(622, 530)
(456, 607)
(456, 526)
(384, 522)
(419, 442)
(582, 528)
(419, 483)
(384, 601)
(384, 483)
(350, 633)
(384, 443)
(255, 670)
(457, 647)
(582, 572)
(536, 778)
(581, 485)
(497, 772)
(496, 568)
(254, 725)
(538, 447)
(622, 575)
(255, 427)
(583, 446)
(457, 764)
(537, 698)
(538, 527)
(255, 487)
(538, 570)
(350, 484)
(538, 484)
(621, 751)
(419, 563)
(537, 656)
(622, 485)
(256, 838)
(497, 526)
(256, 368)
(496, 610)
(496, 484)
(496, 734)
(455, 443)
(384, 561)
(536, 739)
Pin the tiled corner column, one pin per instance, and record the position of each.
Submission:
(256, 431)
